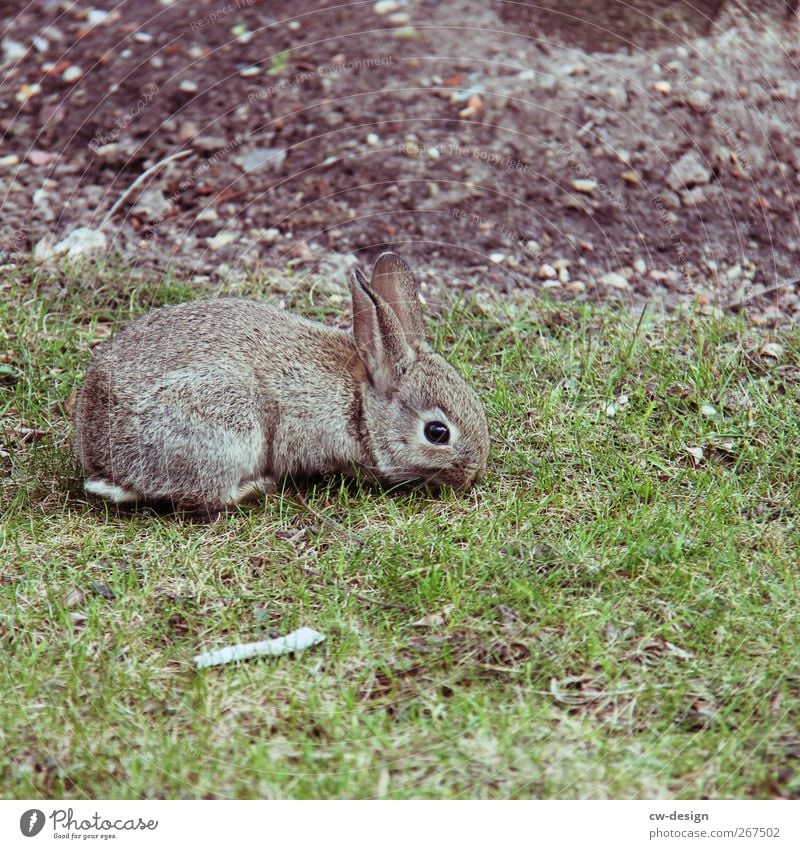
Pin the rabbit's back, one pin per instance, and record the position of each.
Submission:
(192, 402)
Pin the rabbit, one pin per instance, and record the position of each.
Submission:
(210, 402)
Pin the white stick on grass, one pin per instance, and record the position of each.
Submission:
(298, 640)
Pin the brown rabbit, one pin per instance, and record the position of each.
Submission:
(208, 402)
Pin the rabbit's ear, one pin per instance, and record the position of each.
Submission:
(380, 339)
(393, 281)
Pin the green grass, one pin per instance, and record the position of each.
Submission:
(606, 615)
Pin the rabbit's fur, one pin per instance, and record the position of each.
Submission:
(208, 402)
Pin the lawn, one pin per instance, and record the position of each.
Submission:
(612, 612)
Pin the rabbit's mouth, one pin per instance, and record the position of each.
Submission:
(460, 479)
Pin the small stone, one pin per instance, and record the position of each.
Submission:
(399, 18)
(576, 287)
(617, 97)
(151, 206)
(631, 177)
(209, 214)
(224, 237)
(8, 161)
(639, 266)
(187, 130)
(614, 281)
(586, 187)
(373, 139)
(708, 411)
(386, 7)
(497, 258)
(547, 272)
(250, 71)
(13, 51)
(406, 33)
(40, 157)
(259, 157)
(663, 87)
(301, 251)
(81, 243)
(772, 349)
(142, 37)
(189, 87)
(72, 74)
(563, 275)
(96, 16)
(533, 248)
(270, 235)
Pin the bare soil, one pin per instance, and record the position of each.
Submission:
(597, 149)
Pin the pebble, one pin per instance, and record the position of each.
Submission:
(587, 187)
(386, 7)
(617, 97)
(222, 239)
(13, 51)
(533, 248)
(250, 71)
(547, 272)
(301, 251)
(577, 286)
(497, 258)
(258, 157)
(72, 74)
(80, 243)
(399, 18)
(690, 170)
(614, 280)
(189, 87)
(639, 266)
(152, 205)
(8, 161)
(208, 214)
(663, 87)
(373, 139)
(187, 130)
(40, 157)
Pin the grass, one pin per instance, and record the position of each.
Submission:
(607, 615)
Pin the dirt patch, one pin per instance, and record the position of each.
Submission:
(629, 151)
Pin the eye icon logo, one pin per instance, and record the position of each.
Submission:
(31, 822)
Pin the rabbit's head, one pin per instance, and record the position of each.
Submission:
(420, 419)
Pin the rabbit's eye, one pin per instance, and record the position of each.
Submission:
(437, 432)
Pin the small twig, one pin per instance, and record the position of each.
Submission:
(151, 170)
(753, 295)
(314, 573)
